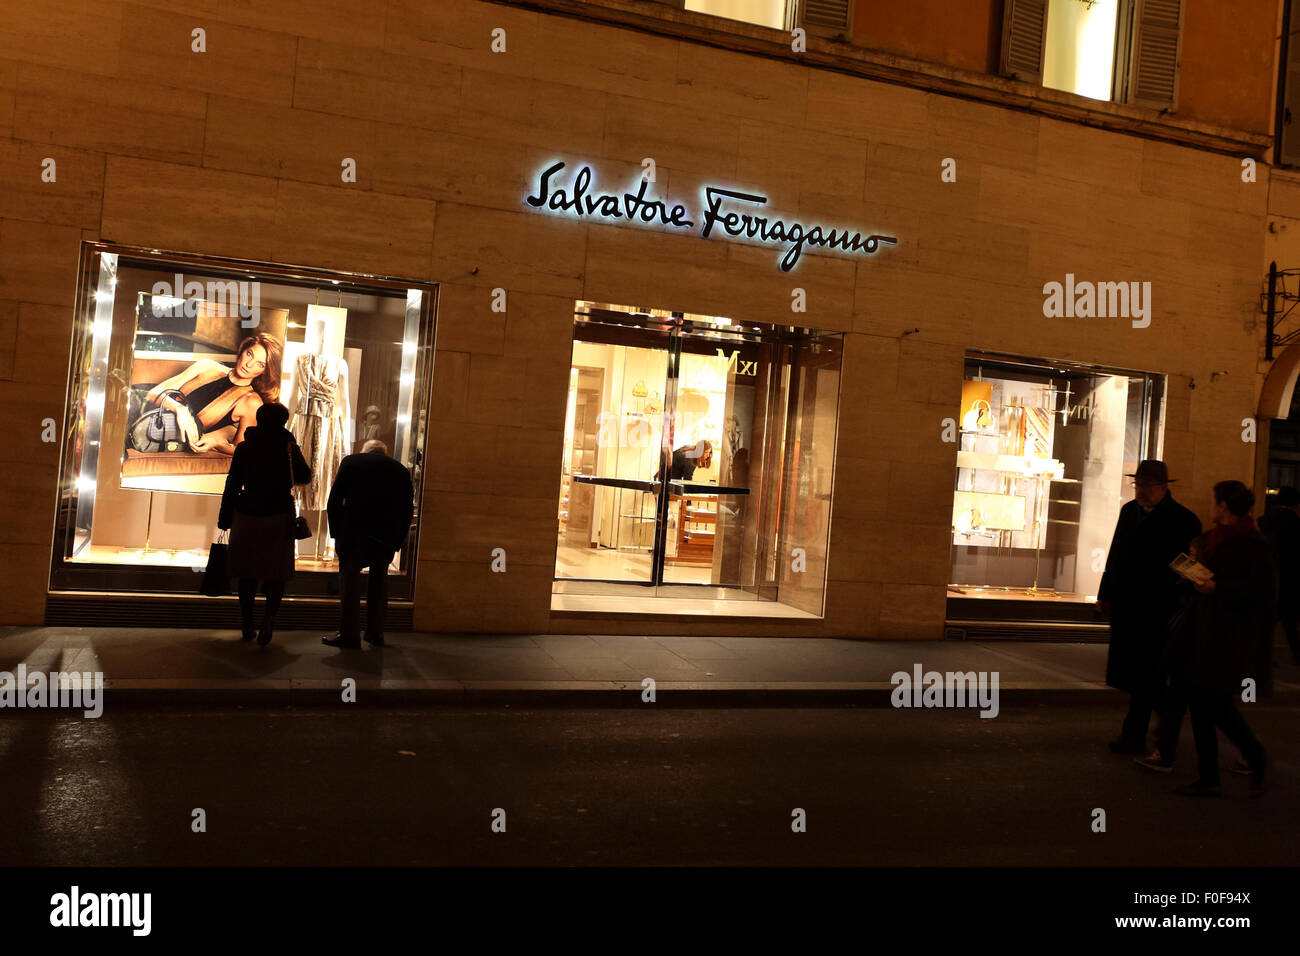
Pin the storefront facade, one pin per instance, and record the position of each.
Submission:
(631, 403)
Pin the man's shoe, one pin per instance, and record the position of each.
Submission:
(376, 641)
(1156, 762)
(1199, 788)
(1241, 767)
(336, 640)
(1121, 746)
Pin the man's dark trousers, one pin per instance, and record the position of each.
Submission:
(350, 568)
(1138, 720)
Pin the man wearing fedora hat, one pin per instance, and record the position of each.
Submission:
(1139, 594)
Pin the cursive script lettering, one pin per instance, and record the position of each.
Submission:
(630, 205)
(796, 233)
(580, 200)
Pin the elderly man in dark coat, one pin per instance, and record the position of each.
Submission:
(1215, 646)
(370, 508)
(1139, 594)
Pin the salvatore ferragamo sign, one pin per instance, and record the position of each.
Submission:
(722, 209)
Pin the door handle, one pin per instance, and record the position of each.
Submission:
(632, 484)
(695, 488)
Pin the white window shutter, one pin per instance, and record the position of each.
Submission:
(827, 18)
(1157, 32)
(1288, 139)
(1024, 35)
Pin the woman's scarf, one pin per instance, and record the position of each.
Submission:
(1220, 533)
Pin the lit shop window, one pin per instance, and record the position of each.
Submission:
(171, 358)
(1044, 450)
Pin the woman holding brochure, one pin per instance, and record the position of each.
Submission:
(1215, 652)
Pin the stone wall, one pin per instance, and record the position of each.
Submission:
(237, 152)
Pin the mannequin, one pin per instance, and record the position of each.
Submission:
(321, 420)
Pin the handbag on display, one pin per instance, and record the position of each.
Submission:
(159, 429)
(301, 529)
(216, 576)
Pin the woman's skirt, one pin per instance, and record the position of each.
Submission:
(261, 547)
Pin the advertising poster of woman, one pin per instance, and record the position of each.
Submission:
(197, 378)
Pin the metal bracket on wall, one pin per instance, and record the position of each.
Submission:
(1278, 300)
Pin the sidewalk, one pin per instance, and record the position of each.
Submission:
(145, 664)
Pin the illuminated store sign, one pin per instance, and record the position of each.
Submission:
(720, 209)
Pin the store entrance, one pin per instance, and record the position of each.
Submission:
(679, 438)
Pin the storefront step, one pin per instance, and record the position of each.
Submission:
(994, 630)
(74, 610)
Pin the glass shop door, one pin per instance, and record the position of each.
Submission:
(719, 400)
(659, 435)
(613, 438)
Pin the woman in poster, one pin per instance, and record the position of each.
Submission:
(215, 404)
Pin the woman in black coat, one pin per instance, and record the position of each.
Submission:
(257, 508)
(1214, 648)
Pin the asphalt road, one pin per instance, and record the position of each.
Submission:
(349, 785)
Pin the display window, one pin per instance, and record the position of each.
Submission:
(1042, 463)
(698, 460)
(172, 356)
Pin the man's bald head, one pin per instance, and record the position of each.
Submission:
(374, 444)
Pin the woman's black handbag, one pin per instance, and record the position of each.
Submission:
(301, 529)
(216, 576)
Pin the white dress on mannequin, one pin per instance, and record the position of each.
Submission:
(320, 411)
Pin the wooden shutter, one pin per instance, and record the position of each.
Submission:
(827, 18)
(1024, 35)
(1156, 33)
(1288, 127)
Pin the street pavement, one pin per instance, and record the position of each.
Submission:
(561, 669)
(419, 785)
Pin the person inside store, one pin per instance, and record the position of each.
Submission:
(257, 509)
(216, 405)
(1139, 594)
(686, 459)
(1282, 528)
(370, 507)
(1215, 645)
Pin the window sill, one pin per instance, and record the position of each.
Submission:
(932, 77)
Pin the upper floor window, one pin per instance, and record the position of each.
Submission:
(831, 18)
(1080, 53)
(777, 14)
(1121, 50)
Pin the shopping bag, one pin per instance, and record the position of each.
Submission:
(216, 576)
